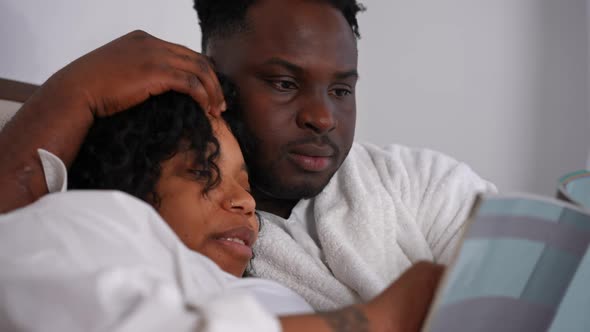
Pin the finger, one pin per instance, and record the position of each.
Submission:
(223, 105)
(200, 65)
(221, 97)
(187, 83)
(200, 68)
(191, 61)
(207, 77)
(208, 64)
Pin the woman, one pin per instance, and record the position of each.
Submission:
(189, 167)
(102, 260)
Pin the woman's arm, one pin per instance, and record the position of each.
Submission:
(51, 119)
(108, 80)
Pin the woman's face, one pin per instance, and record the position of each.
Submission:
(222, 224)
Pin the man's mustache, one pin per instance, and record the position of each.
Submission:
(315, 140)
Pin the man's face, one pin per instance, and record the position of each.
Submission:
(296, 71)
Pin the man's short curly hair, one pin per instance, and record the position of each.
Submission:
(219, 18)
(125, 151)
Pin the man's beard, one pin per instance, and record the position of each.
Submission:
(267, 179)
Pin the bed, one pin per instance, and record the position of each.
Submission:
(12, 95)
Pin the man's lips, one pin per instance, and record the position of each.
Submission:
(312, 158)
(313, 150)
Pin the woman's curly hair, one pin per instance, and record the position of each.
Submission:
(125, 151)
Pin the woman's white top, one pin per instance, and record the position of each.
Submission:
(106, 261)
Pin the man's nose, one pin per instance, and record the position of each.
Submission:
(317, 115)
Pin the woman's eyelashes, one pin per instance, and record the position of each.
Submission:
(205, 175)
(200, 174)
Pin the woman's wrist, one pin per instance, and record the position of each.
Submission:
(62, 97)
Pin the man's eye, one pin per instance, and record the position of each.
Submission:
(284, 85)
(342, 92)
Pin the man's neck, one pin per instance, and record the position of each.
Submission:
(279, 207)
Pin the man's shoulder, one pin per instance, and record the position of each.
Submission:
(399, 154)
(410, 165)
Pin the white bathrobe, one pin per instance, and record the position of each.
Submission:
(384, 209)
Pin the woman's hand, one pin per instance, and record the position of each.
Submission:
(110, 79)
(130, 69)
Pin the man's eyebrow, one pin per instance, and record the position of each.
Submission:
(353, 73)
(284, 63)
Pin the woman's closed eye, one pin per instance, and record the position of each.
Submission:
(200, 174)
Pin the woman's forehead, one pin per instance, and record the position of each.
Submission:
(229, 148)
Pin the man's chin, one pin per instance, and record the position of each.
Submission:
(293, 190)
(307, 192)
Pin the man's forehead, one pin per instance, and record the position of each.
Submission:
(303, 32)
(290, 20)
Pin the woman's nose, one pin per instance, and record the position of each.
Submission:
(240, 201)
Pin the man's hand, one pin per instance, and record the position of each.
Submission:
(400, 308)
(404, 305)
(130, 69)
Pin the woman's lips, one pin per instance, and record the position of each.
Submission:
(237, 240)
(241, 250)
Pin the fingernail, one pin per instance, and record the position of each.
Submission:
(223, 106)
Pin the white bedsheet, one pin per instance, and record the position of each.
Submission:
(105, 261)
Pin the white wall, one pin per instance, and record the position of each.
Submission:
(500, 84)
(39, 37)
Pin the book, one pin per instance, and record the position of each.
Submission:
(523, 265)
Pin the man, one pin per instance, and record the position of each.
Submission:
(295, 65)
(338, 227)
